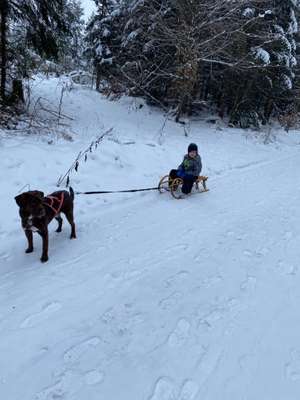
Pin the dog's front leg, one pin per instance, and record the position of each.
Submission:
(28, 234)
(44, 235)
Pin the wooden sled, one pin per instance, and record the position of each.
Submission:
(175, 185)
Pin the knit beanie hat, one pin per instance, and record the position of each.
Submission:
(192, 147)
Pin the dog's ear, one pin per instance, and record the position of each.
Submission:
(20, 199)
(23, 198)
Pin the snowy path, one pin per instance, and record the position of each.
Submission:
(161, 299)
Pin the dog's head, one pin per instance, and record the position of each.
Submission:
(31, 207)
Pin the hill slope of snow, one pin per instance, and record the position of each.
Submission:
(157, 299)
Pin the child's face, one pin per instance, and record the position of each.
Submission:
(193, 154)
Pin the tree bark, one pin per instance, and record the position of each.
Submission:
(17, 91)
(3, 30)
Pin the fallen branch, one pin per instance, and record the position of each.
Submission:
(56, 114)
(82, 155)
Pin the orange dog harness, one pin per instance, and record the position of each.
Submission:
(54, 202)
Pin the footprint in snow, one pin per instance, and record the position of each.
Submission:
(41, 316)
(248, 284)
(212, 317)
(164, 389)
(288, 235)
(180, 334)
(170, 301)
(93, 377)
(247, 253)
(173, 250)
(211, 281)
(202, 253)
(4, 256)
(76, 351)
(292, 368)
(230, 233)
(189, 390)
(176, 278)
(64, 387)
(287, 268)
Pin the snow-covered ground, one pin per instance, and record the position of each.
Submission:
(157, 299)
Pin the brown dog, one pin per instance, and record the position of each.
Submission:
(37, 211)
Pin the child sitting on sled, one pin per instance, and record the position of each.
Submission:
(189, 169)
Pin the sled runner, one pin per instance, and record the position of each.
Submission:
(174, 185)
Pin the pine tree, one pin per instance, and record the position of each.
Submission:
(236, 56)
(286, 29)
(70, 44)
(103, 38)
(36, 24)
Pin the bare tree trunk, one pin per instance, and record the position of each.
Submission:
(98, 77)
(3, 30)
(268, 109)
(17, 91)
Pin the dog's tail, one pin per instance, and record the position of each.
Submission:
(71, 193)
